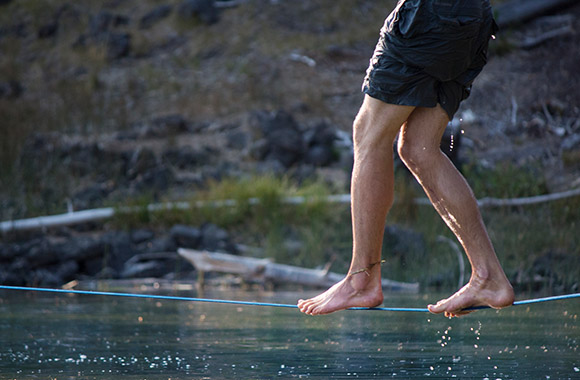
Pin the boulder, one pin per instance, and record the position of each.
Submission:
(11, 89)
(202, 10)
(155, 15)
(42, 254)
(282, 138)
(45, 277)
(101, 24)
(215, 238)
(47, 30)
(188, 158)
(141, 235)
(141, 161)
(80, 248)
(118, 248)
(118, 45)
(186, 236)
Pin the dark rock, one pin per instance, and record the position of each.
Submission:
(107, 273)
(11, 89)
(188, 158)
(164, 126)
(301, 173)
(7, 253)
(259, 149)
(48, 30)
(42, 254)
(142, 160)
(90, 196)
(101, 23)
(17, 30)
(118, 45)
(154, 180)
(283, 137)
(11, 278)
(67, 271)
(186, 236)
(202, 10)
(82, 158)
(237, 140)
(81, 248)
(320, 155)
(155, 15)
(536, 127)
(19, 265)
(45, 278)
(141, 235)
(161, 244)
(321, 134)
(215, 238)
(118, 249)
(92, 266)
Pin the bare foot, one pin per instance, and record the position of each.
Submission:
(496, 293)
(356, 290)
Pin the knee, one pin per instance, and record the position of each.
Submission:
(371, 135)
(418, 157)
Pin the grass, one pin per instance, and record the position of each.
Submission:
(538, 245)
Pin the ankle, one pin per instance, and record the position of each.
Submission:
(366, 270)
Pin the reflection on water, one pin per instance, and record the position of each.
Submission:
(108, 338)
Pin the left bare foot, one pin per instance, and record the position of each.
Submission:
(495, 293)
(355, 290)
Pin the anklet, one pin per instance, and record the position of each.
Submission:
(366, 269)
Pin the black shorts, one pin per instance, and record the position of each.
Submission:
(429, 52)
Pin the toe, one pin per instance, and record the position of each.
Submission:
(438, 308)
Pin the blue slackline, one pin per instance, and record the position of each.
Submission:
(249, 303)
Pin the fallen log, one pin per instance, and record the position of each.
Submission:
(519, 11)
(101, 214)
(266, 271)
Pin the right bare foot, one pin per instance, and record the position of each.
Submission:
(355, 290)
(496, 293)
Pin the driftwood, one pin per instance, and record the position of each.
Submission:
(519, 11)
(496, 202)
(266, 271)
(86, 216)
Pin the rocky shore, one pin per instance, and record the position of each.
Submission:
(101, 105)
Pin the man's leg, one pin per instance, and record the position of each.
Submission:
(374, 132)
(453, 199)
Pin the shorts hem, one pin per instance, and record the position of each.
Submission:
(402, 101)
(396, 99)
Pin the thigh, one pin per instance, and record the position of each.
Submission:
(378, 122)
(424, 128)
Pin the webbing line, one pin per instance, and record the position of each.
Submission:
(250, 303)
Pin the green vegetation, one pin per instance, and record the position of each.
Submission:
(538, 245)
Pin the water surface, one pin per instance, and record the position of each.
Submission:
(97, 337)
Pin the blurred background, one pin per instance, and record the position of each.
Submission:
(116, 103)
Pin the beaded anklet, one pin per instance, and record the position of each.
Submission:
(366, 269)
